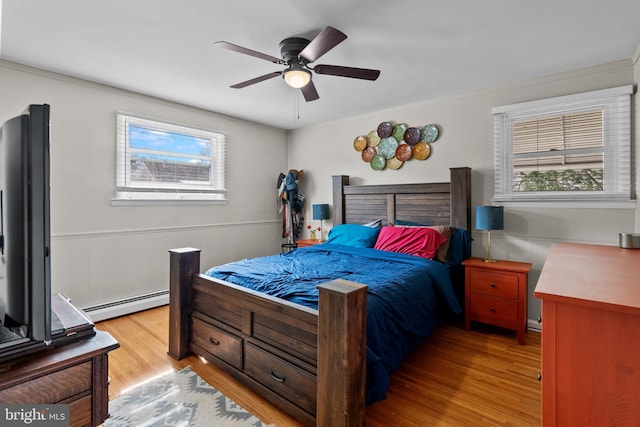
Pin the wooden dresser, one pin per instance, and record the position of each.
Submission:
(590, 336)
(75, 374)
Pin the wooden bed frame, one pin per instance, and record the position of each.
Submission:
(310, 363)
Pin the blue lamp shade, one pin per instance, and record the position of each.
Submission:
(320, 212)
(489, 218)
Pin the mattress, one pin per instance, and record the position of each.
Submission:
(406, 295)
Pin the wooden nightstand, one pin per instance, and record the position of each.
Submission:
(307, 242)
(496, 293)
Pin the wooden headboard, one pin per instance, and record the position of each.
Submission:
(443, 203)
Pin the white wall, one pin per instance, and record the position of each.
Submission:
(467, 140)
(102, 253)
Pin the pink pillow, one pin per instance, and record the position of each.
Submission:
(422, 242)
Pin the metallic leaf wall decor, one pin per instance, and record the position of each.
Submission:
(390, 145)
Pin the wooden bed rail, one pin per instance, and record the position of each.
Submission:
(341, 340)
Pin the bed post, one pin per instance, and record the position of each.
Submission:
(461, 197)
(342, 349)
(183, 264)
(339, 181)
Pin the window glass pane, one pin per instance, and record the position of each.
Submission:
(583, 130)
(537, 135)
(169, 157)
(559, 180)
(158, 160)
(568, 148)
(169, 142)
(559, 153)
(169, 170)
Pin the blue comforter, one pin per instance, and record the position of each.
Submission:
(405, 295)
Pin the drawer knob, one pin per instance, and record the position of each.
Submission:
(277, 377)
(493, 285)
(493, 309)
(539, 319)
(539, 376)
(214, 341)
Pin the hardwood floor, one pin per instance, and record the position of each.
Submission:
(457, 378)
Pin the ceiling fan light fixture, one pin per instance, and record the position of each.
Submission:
(296, 76)
(296, 55)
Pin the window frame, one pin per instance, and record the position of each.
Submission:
(129, 191)
(616, 105)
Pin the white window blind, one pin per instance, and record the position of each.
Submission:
(163, 161)
(575, 147)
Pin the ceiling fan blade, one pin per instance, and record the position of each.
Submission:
(354, 73)
(256, 80)
(240, 49)
(309, 91)
(322, 43)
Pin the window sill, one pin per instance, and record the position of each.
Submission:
(567, 204)
(154, 199)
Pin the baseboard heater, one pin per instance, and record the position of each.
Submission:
(156, 299)
(534, 325)
(127, 306)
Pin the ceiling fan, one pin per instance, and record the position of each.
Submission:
(297, 53)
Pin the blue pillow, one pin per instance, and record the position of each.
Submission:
(356, 235)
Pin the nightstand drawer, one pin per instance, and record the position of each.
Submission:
(496, 311)
(494, 283)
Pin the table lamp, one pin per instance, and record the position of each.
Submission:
(321, 212)
(489, 218)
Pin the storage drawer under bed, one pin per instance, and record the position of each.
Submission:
(222, 344)
(289, 381)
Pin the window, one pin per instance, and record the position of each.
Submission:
(573, 147)
(162, 161)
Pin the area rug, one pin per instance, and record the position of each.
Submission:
(177, 399)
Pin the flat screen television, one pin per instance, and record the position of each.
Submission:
(25, 265)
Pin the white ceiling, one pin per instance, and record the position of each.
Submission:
(425, 49)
